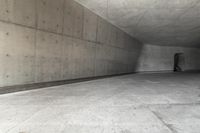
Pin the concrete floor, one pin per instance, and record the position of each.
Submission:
(139, 103)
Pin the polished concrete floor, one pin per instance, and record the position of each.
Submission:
(139, 103)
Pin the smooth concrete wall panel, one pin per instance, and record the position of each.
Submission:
(67, 66)
(19, 11)
(17, 51)
(102, 31)
(161, 58)
(192, 56)
(152, 60)
(129, 41)
(120, 39)
(48, 40)
(89, 61)
(24, 12)
(110, 60)
(69, 17)
(78, 20)
(90, 25)
(50, 15)
(73, 19)
(115, 60)
(48, 57)
(100, 62)
(112, 35)
(83, 59)
(4, 10)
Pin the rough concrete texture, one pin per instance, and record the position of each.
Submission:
(139, 103)
(48, 40)
(161, 58)
(160, 22)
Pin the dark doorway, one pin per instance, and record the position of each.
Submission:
(179, 62)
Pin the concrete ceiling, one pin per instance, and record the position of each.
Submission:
(159, 22)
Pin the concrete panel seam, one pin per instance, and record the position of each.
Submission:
(163, 122)
(35, 48)
(36, 14)
(82, 21)
(38, 85)
(38, 29)
(9, 22)
(63, 17)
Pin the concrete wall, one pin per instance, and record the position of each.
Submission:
(161, 58)
(51, 40)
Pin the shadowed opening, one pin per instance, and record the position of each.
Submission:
(179, 62)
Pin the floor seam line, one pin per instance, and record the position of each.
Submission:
(163, 122)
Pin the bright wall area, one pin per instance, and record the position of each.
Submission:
(161, 58)
(51, 40)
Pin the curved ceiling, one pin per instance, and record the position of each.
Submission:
(159, 22)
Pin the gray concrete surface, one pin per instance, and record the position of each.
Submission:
(139, 103)
(158, 22)
(161, 58)
(48, 40)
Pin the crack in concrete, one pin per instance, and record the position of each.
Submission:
(169, 126)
